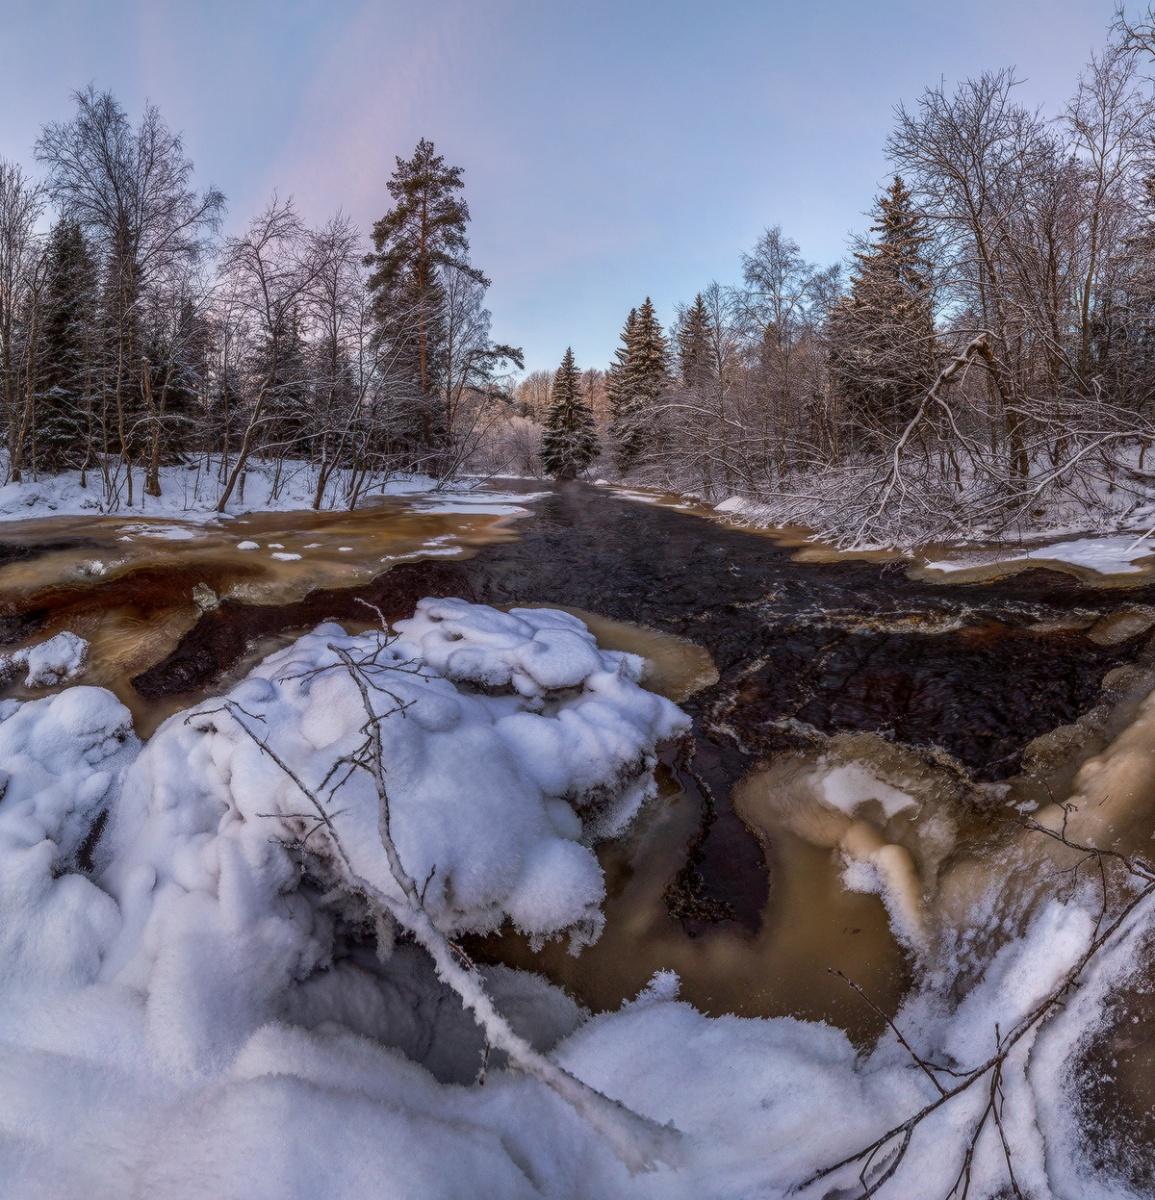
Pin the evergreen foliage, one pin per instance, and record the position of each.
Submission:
(641, 376)
(423, 233)
(65, 377)
(570, 442)
(694, 335)
(882, 357)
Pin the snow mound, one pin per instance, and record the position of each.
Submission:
(60, 659)
(494, 798)
(62, 761)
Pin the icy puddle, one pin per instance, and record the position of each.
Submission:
(133, 588)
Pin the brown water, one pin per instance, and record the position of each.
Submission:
(135, 588)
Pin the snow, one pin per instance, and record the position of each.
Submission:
(60, 659)
(1091, 520)
(171, 533)
(850, 785)
(191, 493)
(211, 1012)
(285, 556)
(247, 545)
(1107, 555)
(480, 503)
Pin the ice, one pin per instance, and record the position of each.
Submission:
(171, 533)
(60, 659)
(850, 785)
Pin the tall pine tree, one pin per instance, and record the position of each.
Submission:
(616, 374)
(423, 233)
(570, 443)
(882, 341)
(695, 332)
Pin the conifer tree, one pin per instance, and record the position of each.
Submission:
(616, 374)
(68, 332)
(694, 335)
(882, 355)
(421, 234)
(644, 375)
(177, 347)
(570, 442)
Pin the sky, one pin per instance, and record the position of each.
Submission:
(612, 150)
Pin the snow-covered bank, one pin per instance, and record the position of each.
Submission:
(1113, 537)
(203, 1005)
(190, 493)
(1110, 554)
(58, 659)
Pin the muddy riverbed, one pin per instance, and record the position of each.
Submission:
(772, 657)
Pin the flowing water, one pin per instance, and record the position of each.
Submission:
(962, 695)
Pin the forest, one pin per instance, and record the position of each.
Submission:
(981, 361)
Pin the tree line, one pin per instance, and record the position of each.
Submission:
(133, 336)
(987, 352)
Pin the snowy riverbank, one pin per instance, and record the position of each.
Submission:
(1113, 536)
(190, 493)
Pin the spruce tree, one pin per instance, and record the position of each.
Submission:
(694, 335)
(67, 336)
(644, 375)
(421, 234)
(570, 443)
(882, 355)
(616, 374)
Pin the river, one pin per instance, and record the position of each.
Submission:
(783, 660)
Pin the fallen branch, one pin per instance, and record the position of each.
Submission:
(640, 1143)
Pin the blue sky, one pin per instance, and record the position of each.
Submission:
(612, 150)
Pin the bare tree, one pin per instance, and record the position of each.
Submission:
(21, 204)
